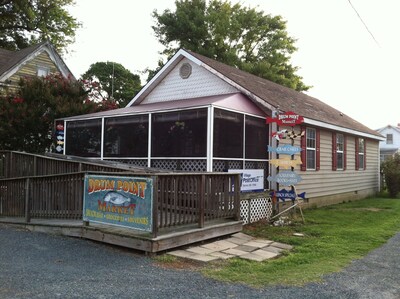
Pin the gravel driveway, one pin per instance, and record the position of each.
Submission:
(38, 265)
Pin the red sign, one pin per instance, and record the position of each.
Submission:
(286, 119)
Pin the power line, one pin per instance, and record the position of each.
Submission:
(365, 25)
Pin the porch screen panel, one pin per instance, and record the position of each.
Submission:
(256, 138)
(179, 134)
(83, 138)
(228, 134)
(126, 136)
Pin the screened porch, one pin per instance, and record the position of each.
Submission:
(212, 134)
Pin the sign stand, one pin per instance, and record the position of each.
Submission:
(286, 119)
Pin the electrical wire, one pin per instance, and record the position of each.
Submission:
(365, 25)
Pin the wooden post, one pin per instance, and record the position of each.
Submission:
(35, 166)
(201, 197)
(237, 198)
(27, 202)
(155, 207)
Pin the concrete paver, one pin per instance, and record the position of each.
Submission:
(238, 245)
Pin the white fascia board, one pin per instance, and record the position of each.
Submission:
(340, 129)
(160, 73)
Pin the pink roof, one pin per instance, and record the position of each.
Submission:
(236, 101)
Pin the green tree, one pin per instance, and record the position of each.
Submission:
(391, 172)
(27, 118)
(239, 36)
(117, 81)
(26, 22)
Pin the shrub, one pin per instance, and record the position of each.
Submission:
(391, 172)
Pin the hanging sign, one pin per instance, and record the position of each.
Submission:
(286, 162)
(287, 194)
(59, 135)
(285, 149)
(122, 201)
(286, 119)
(286, 178)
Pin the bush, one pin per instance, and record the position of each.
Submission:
(391, 172)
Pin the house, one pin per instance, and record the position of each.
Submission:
(391, 144)
(37, 60)
(197, 114)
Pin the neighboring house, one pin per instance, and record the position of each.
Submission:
(38, 60)
(197, 114)
(391, 144)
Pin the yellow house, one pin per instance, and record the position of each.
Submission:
(37, 60)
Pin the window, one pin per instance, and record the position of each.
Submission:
(340, 151)
(311, 149)
(179, 134)
(228, 134)
(256, 137)
(83, 138)
(360, 153)
(126, 136)
(310, 154)
(42, 71)
(389, 138)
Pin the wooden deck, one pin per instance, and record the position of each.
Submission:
(168, 238)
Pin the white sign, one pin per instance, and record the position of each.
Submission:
(252, 179)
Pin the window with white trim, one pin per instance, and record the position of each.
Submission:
(311, 148)
(361, 153)
(42, 71)
(389, 138)
(340, 151)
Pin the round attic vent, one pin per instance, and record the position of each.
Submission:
(185, 71)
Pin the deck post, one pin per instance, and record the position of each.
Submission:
(35, 172)
(27, 202)
(237, 197)
(155, 207)
(201, 198)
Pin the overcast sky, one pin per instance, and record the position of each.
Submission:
(353, 64)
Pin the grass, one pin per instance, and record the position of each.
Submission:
(333, 237)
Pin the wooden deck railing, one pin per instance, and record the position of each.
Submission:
(178, 198)
(19, 164)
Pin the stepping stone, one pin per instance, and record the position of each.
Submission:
(221, 255)
(281, 245)
(246, 248)
(203, 258)
(272, 249)
(243, 236)
(255, 244)
(235, 252)
(200, 250)
(219, 245)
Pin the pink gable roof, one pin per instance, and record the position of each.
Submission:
(235, 101)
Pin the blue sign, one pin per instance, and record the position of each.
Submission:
(286, 177)
(122, 201)
(285, 149)
(287, 194)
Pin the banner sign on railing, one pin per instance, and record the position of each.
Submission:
(122, 201)
(252, 180)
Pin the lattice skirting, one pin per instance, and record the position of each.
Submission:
(255, 209)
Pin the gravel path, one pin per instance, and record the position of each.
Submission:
(37, 265)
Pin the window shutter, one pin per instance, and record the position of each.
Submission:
(365, 154)
(334, 156)
(344, 152)
(317, 154)
(357, 164)
(303, 154)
